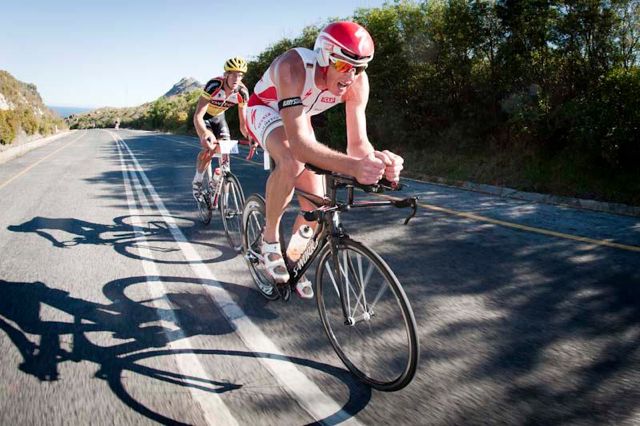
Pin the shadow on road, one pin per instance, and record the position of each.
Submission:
(154, 235)
(135, 322)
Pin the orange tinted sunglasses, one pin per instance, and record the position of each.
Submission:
(343, 66)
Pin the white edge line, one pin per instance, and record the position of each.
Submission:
(213, 408)
(308, 394)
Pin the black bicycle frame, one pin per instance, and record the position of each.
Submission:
(330, 230)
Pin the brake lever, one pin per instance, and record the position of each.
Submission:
(408, 202)
(384, 185)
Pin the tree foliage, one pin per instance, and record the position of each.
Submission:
(545, 77)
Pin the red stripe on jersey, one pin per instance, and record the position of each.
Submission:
(255, 100)
(269, 95)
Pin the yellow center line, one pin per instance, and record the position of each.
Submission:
(479, 218)
(532, 229)
(7, 182)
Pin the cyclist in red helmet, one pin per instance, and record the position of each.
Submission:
(298, 84)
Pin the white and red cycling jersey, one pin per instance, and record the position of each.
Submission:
(263, 115)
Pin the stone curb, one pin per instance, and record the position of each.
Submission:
(16, 151)
(600, 206)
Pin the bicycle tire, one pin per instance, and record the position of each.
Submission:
(231, 205)
(205, 212)
(381, 350)
(253, 222)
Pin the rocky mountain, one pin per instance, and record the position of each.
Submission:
(23, 114)
(185, 85)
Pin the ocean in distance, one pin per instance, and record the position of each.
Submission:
(65, 112)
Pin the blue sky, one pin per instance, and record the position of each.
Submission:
(91, 53)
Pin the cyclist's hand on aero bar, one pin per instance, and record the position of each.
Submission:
(393, 164)
(369, 170)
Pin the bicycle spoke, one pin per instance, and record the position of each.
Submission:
(333, 280)
(379, 347)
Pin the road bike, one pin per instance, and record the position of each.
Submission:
(226, 196)
(364, 310)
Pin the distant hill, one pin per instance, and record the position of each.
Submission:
(185, 85)
(22, 112)
(172, 111)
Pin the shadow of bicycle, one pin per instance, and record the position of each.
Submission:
(150, 232)
(146, 338)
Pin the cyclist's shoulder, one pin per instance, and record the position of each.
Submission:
(244, 91)
(296, 55)
(213, 84)
(291, 65)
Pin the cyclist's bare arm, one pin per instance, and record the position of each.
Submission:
(358, 144)
(201, 128)
(355, 103)
(289, 76)
(242, 113)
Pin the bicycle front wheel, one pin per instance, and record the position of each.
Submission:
(231, 204)
(377, 341)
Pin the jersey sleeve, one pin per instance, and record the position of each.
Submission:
(211, 87)
(244, 95)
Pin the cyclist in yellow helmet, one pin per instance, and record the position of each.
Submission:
(220, 94)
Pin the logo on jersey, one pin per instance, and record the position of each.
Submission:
(253, 117)
(306, 95)
(328, 99)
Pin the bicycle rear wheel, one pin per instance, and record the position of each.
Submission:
(231, 204)
(379, 344)
(253, 222)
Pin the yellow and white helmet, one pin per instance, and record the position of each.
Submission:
(235, 64)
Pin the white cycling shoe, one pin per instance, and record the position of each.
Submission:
(304, 288)
(274, 262)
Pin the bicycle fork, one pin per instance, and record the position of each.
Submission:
(342, 276)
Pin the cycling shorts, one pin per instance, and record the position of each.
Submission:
(218, 126)
(261, 121)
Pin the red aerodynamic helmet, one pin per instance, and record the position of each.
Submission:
(345, 40)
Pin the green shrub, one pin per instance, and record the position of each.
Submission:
(9, 124)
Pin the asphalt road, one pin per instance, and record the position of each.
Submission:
(118, 307)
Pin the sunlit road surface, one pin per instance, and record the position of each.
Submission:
(117, 306)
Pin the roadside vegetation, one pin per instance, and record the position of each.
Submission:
(536, 95)
(22, 111)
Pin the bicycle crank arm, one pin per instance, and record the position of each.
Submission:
(253, 257)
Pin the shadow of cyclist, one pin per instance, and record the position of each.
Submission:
(21, 304)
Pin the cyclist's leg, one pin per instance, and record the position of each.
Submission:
(313, 184)
(279, 192)
(220, 129)
(281, 181)
(267, 128)
(203, 162)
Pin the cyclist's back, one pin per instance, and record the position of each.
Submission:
(314, 99)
